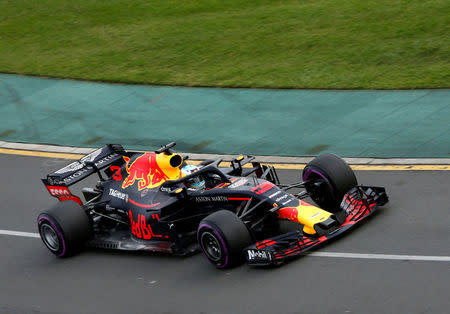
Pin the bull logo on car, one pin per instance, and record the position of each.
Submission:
(145, 170)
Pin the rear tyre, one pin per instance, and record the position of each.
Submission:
(222, 236)
(64, 228)
(328, 178)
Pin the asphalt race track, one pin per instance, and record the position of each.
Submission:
(415, 223)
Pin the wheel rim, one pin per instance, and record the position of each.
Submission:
(320, 189)
(50, 237)
(211, 246)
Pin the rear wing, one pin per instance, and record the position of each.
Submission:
(80, 169)
(58, 182)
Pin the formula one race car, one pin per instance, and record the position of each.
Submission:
(157, 202)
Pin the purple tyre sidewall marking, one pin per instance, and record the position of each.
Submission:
(308, 173)
(221, 240)
(58, 232)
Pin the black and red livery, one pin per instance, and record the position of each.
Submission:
(143, 202)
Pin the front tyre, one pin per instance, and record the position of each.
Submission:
(64, 228)
(222, 236)
(328, 179)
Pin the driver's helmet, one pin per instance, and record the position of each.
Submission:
(196, 182)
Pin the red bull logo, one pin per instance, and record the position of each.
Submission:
(145, 170)
(306, 214)
(290, 213)
(141, 229)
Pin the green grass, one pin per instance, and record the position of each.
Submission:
(276, 44)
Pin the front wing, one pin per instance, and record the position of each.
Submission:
(358, 204)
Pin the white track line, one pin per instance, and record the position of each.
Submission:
(383, 256)
(20, 234)
(315, 254)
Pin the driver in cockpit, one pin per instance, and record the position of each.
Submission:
(196, 183)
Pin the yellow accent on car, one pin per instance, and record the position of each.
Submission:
(170, 165)
(309, 216)
(305, 214)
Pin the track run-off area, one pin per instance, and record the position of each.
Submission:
(396, 262)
